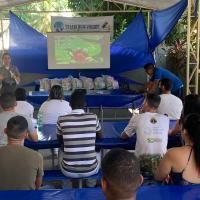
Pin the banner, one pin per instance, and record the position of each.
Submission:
(82, 24)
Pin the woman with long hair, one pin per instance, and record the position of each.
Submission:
(182, 164)
(51, 109)
(191, 105)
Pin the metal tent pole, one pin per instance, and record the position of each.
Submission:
(193, 36)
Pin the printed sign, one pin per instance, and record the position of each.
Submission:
(82, 24)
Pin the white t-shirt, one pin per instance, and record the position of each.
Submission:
(152, 133)
(171, 106)
(4, 117)
(50, 110)
(24, 108)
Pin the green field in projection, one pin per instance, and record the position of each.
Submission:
(79, 49)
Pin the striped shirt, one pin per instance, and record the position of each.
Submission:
(78, 130)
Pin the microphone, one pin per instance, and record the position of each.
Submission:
(13, 76)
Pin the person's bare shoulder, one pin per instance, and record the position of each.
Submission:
(174, 154)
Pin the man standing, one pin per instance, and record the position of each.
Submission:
(20, 168)
(156, 74)
(9, 74)
(170, 105)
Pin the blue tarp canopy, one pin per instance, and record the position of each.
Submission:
(28, 49)
(131, 50)
(163, 22)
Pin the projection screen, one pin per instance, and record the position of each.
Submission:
(79, 50)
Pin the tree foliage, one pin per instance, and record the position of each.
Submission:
(121, 20)
(40, 20)
(179, 32)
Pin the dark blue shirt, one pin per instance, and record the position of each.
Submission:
(161, 73)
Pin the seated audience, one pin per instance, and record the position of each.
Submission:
(191, 105)
(152, 133)
(120, 175)
(183, 163)
(20, 168)
(8, 103)
(23, 107)
(170, 105)
(78, 131)
(50, 110)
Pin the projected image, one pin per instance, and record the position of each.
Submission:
(78, 50)
(82, 49)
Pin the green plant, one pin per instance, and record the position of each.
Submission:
(40, 20)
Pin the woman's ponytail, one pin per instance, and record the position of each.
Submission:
(192, 125)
